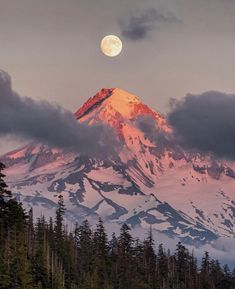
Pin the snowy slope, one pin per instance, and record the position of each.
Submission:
(177, 193)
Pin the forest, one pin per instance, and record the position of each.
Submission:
(43, 254)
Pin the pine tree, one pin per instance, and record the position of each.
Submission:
(39, 260)
(125, 250)
(216, 272)
(100, 264)
(4, 192)
(4, 236)
(113, 259)
(205, 272)
(182, 264)
(150, 260)
(85, 253)
(15, 269)
(60, 212)
(162, 267)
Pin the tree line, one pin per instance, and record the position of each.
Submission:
(45, 255)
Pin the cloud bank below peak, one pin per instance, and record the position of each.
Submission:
(205, 123)
(50, 124)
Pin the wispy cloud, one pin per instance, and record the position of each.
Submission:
(138, 26)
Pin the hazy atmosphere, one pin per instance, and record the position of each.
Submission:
(117, 114)
(170, 48)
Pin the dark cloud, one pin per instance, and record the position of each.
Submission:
(137, 27)
(205, 123)
(50, 124)
(162, 139)
(154, 133)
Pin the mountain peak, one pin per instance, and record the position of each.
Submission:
(124, 96)
(115, 100)
(94, 101)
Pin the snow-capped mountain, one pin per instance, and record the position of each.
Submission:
(146, 183)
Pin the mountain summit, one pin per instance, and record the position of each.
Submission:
(114, 99)
(118, 109)
(114, 103)
(178, 193)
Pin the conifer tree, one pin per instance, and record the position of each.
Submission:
(100, 265)
(150, 260)
(162, 267)
(182, 264)
(85, 253)
(60, 212)
(125, 250)
(205, 272)
(4, 192)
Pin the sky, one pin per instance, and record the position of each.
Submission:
(50, 48)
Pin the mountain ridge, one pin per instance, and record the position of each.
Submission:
(121, 189)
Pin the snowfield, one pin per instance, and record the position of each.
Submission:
(181, 195)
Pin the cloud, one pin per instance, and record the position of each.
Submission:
(221, 248)
(138, 27)
(205, 123)
(154, 133)
(44, 122)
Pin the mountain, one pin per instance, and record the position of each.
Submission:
(147, 182)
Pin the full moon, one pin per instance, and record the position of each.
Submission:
(111, 45)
